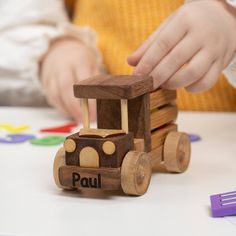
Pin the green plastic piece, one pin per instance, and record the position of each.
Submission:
(48, 141)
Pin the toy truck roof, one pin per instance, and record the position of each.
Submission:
(114, 87)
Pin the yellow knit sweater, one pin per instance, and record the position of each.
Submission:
(122, 25)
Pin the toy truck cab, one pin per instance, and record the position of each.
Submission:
(135, 132)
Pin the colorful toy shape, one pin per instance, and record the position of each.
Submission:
(14, 129)
(16, 138)
(67, 128)
(48, 141)
(223, 204)
(194, 138)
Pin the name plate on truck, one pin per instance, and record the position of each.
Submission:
(90, 178)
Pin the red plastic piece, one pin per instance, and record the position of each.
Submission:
(67, 128)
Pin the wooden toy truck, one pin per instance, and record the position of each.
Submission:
(135, 133)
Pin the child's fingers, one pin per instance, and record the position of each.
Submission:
(83, 71)
(70, 103)
(52, 88)
(135, 57)
(191, 72)
(207, 81)
(53, 96)
(172, 62)
(44, 72)
(167, 39)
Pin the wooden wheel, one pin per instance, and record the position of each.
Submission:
(177, 151)
(58, 162)
(135, 173)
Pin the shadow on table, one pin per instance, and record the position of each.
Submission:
(92, 194)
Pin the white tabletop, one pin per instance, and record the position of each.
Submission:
(31, 204)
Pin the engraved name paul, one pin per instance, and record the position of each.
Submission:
(86, 182)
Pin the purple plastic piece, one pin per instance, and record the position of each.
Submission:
(223, 204)
(16, 138)
(194, 137)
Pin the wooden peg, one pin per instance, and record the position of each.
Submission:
(124, 115)
(85, 112)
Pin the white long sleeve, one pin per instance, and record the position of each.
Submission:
(230, 72)
(231, 2)
(26, 29)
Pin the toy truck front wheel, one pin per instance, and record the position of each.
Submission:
(58, 162)
(135, 173)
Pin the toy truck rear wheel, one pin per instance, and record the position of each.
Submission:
(176, 152)
(135, 173)
(58, 162)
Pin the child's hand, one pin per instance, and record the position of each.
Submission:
(191, 48)
(67, 62)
